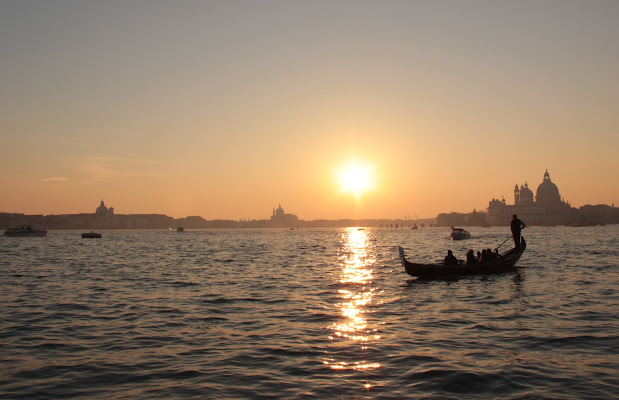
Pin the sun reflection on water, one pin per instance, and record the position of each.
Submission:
(351, 335)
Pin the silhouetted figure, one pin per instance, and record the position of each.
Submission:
(450, 259)
(484, 256)
(490, 255)
(516, 226)
(479, 257)
(470, 257)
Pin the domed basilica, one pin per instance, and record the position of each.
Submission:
(103, 211)
(282, 220)
(547, 209)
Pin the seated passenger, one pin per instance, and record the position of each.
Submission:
(470, 257)
(484, 256)
(450, 259)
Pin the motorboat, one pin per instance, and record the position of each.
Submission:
(459, 234)
(91, 235)
(25, 230)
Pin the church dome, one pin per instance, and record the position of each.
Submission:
(526, 195)
(102, 209)
(548, 192)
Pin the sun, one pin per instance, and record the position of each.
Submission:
(355, 178)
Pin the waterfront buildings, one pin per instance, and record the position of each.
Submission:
(547, 208)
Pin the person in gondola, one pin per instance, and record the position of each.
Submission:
(470, 257)
(517, 225)
(450, 259)
(484, 256)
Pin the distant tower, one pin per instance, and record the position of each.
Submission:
(516, 195)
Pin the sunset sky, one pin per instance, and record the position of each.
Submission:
(227, 109)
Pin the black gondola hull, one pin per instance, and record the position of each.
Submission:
(505, 263)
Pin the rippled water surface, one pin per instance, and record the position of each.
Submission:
(306, 314)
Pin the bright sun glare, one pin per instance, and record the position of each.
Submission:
(355, 178)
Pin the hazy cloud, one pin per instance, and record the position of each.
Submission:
(108, 167)
(55, 179)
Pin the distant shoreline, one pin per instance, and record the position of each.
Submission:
(160, 221)
(585, 216)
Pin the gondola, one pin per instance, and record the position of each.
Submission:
(505, 262)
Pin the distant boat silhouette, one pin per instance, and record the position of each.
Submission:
(91, 235)
(25, 231)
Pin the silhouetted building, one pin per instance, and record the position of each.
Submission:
(547, 209)
(103, 211)
(459, 219)
(282, 220)
(105, 216)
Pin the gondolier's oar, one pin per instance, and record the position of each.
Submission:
(504, 242)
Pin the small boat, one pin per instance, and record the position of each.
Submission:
(180, 229)
(459, 234)
(505, 262)
(582, 224)
(91, 235)
(25, 230)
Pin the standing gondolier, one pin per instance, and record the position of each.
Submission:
(517, 225)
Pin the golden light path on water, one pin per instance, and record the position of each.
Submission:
(356, 294)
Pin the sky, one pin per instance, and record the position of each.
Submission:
(228, 109)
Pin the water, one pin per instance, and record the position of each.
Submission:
(306, 314)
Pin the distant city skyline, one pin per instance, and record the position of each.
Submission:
(335, 110)
(546, 207)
